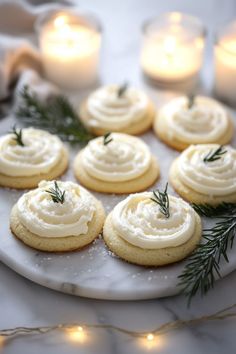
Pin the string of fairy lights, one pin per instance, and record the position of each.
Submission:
(79, 333)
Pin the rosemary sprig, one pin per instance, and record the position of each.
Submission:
(214, 211)
(56, 115)
(18, 135)
(191, 101)
(122, 89)
(214, 155)
(162, 199)
(58, 196)
(107, 138)
(203, 266)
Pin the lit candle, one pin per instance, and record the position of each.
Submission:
(172, 48)
(225, 64)
(70, 47)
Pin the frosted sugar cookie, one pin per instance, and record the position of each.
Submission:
(205, 174)
(30, 155)
(117, 109)
(57, 216)
(141, 231)
(201, 120)
(116, 163)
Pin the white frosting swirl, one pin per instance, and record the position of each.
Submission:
(114, 113)
(123, 159)
(216, 178)
(138, 220)
(205, 122)
(45, 218)
(40, 153)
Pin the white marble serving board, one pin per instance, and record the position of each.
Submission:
(93, 272)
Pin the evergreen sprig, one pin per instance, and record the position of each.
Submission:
(58, 196)
(57, 116)
(162, 199)
(214, 155)
(191, 101)
(107, 138)
(203, 266)
(214, 211)
(122, 89)
(18, 135)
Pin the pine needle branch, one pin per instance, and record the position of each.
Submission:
(203, 266)
(214, 155)
(58, 196)
(17, 135)
(56, 116)
(162, 199)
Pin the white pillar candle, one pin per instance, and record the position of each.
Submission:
(225, 64)
(70, 47)
(172, 48)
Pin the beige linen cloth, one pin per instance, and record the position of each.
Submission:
(20, 62)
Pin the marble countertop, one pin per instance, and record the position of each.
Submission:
(23, 303)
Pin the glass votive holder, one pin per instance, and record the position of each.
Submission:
(70, 48)
(225, 64)
(172, 50)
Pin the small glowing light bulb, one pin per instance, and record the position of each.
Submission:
(150, 337)
(77, 334)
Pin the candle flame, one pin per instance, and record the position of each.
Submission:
(65, 30)
(169, 49)
(170, 45)
(60, 21)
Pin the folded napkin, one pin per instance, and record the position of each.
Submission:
(20, 62)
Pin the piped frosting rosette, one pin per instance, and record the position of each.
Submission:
(41, 152)
(213, 178)
(140, 231)
(138, 220)
(123, 165)
(206, 121)
(113, 113)
(123, 159)
(39, 214)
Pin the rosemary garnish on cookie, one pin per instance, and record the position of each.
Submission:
(58, 196)
(18, 135)
(191, 101)
(56, 115)
(203, 266)
(122, 89)
(107, 138)
(214, 155)
(162, 199)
